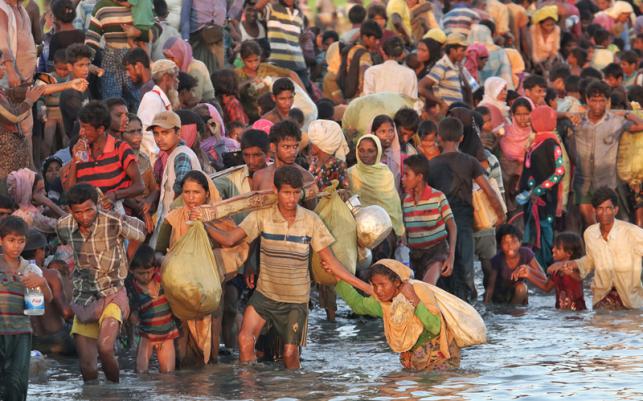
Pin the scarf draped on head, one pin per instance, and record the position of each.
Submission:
(618, 8)
(375, 185)
(401, 327)
(474, 51)
(544, 47)
(180, 50)
(514, 143)
(328, 136)
(20, 185)
(492, 88)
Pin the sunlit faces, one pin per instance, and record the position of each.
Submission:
(367, 151)
(254, 157)
(84, 213)
(286, 150)
(166, 138)
(194, 194)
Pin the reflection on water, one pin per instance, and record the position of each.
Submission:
(534, 353)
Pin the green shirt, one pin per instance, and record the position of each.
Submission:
(370, 306)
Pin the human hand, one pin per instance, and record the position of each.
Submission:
(447, 267)
(500, 219)
(147, 206)
(106, 203)
(149, 223)
(34, 93)
(13, 78)
(79, 84)
(250, 279)
(195, 214)
(32, 280)
(131, 31)
(520, 272)
(555, 268)
(99, 72)
(407, 290)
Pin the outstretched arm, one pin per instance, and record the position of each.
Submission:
(334, 266)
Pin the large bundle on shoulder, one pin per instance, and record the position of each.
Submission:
(629, 162)
(190, 276)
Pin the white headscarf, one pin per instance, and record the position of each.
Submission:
(492, 88)
(328, 136)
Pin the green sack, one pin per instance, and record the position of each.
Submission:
(190, 276)
(340, 222)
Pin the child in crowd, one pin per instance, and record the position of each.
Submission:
(283, 94)
(151, 312)
(613, 75)
(569, 289)
(407, 122)
(226, 87)
(430, 227)
(577, 59)
(16, 275)
(428, 133)
(571, 103)
(512, 265)
(631, 73)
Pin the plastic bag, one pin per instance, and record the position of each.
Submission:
(340, 222)
(462, 320)
(190, 276)
(629, 161)
(484, 216)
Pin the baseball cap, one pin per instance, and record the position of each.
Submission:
(166, 120)
(456, 39)
(164, 66)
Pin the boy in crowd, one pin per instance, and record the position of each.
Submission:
(288, 233)
(283, 94)
(535, 87)
(16, 275)
(78, 61)
(613, 75)
(631, 73)
(99, 297)
(430, 228)
(50, 333)
(453, 173)
(407, 122)
(356, 59)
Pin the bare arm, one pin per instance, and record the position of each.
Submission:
(493, 198)
(491, 285)
(334, 266)
(447, 266)
(226, 238)
(55, 284)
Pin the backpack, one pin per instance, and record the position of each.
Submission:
(348, 76)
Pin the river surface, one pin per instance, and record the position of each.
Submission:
(533, 353)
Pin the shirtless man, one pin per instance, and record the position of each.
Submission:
(50, 335)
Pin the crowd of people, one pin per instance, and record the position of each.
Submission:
(502, 131)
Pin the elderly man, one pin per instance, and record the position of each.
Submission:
(614, 249)
(162, 97)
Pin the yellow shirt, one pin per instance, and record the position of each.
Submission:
(616, 263)
(399, 7)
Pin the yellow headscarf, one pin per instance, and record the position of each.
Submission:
(543, 13)
(375, 185)
(401, 327)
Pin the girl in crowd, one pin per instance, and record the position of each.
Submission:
(180, 52)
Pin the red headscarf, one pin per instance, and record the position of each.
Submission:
(474, 51)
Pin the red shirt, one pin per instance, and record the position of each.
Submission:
(569, 292)
(108, 172)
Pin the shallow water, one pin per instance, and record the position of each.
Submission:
(533, 353)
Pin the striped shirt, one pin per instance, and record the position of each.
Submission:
(12, 297)
(106, 21)
(425, 221)
(285, 251)
(447, 79)
(285, 25)
(156, 320)
(459, 20)
(109, 171)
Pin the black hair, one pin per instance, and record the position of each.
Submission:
(600, 36)
(630, 57)
(143, 258)
(635, 94)
(357, 14)
(186, 81)
(330, 35)
(225, 82)
(451, 129)
(489, 24)
(394, 47)
(382, 270)
(370, 28)
(478, 94)
(282, 85)
(379, 120)
(266, 103)
(435, 50)
(113, 102)
(234, 124)
(63, 10)
(618, 98)
(7, 203)
(136, 55)
(482, 110)
(95, 113)
(603, 194)
(77, 51)
(255, 138)
(284, 129)
(250, 48)
(427, 127)
(550, 96)
(572, 84)
(511, 96)
(13, 225)
(613, 70)
(419, 165)
(190, 117)
(325, 109)
(160, 8)
(597, 88)
(198, 177)
(377, 10)
(288, 175)
(60, 56)
(591, 72)
(133, 117)
(29, 254)
(571, 243)
(521, 102)
(296, 115)
(534, 80)
(507, 229)
(81, 193)
(580, 55)
(407, 118)
(559, 72)
(448, 48)
(619, 42)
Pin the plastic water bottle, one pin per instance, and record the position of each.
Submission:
(34, 300)
(523, 197)
(82, 155)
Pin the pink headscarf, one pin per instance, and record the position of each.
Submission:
(514, 143)
(263, 125)
(180, 50)
(474, 51)
(20, 185)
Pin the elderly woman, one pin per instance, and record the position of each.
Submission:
(617, 19)
(180, 52)
(328, 151)
(495, 97)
